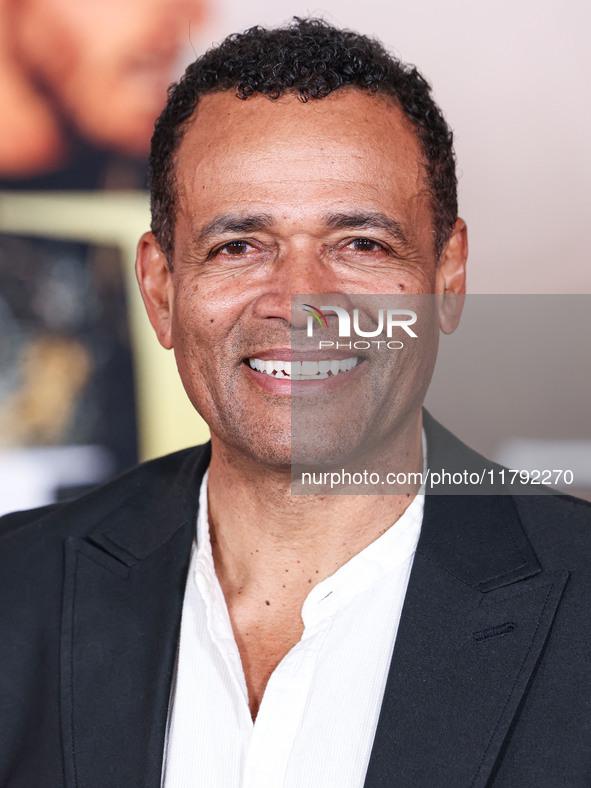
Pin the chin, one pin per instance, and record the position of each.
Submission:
(323, 451)
(272, 456)
(270, 447)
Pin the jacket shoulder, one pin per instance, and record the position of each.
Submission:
(67, 518)
(559, 529)
(557, 526)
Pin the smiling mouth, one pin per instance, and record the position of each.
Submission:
(303, 370)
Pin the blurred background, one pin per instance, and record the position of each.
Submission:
(85, 389)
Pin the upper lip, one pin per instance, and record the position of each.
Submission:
(286, 354)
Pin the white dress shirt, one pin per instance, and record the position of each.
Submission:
(317, 720)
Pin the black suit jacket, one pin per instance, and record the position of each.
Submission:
(490, 680)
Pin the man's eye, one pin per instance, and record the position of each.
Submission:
(364, 245)
(234, 248)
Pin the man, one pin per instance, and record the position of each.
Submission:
(399, 640)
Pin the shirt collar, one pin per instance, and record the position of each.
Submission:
(384, 555)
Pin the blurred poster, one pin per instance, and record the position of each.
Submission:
(81, 84)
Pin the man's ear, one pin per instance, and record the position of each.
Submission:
(155, 281)
(450, 284)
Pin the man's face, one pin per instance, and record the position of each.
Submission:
(277, 198)
(105, 64)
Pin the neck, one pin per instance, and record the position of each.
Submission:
(265, 537)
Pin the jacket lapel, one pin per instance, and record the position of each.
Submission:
(476, 616)
(123, 595)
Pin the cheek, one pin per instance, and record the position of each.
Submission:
(201, 328)
(420, 281)
(194, 355)
(189, 331)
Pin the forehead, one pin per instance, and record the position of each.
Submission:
(286, 154)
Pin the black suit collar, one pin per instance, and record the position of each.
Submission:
(476, 616)
(477, 538)
(167, 500)
(123, 594)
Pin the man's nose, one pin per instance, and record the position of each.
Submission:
(297, 279)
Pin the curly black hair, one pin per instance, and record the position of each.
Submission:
(311, 59)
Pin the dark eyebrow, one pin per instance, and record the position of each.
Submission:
(367, 220)
(234, 223)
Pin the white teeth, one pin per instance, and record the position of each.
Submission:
(303, 370)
